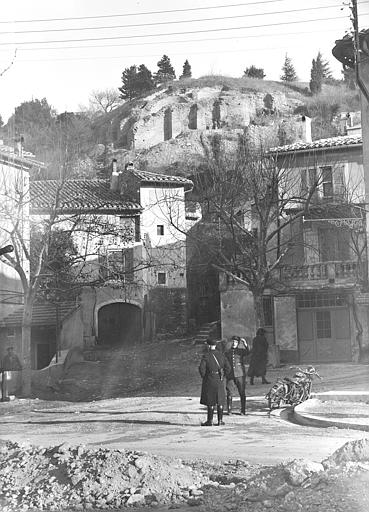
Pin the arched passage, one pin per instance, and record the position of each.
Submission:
(119, 323)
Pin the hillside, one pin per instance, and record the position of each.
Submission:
(168, 129)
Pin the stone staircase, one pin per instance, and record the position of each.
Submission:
(209, 330)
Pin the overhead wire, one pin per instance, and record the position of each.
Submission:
(178, 41)
(144, 13)
(187, 32)
(173, 54)
(167, 22)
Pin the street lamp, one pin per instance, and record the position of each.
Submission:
(6, 249)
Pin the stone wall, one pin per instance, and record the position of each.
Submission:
(285, 323)
(169, 306)
(208, 108)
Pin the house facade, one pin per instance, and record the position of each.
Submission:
(130, 270)
(14, 215)
(318, 313)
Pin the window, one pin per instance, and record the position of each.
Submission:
(130, 228)
(10, 332)
(312, 300)
(327, 181)
(268, 310)
(160, 230)
(162, 278)
(127, 225)
(117, 265)
(137, 229)
(323, 324)
(334, 244)
(308, 180)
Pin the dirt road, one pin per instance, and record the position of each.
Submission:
(171, 426)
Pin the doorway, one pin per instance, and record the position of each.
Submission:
(324, 335)
(119, 323)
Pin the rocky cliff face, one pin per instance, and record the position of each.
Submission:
(170, 127)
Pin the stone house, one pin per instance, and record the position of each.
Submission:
(322, 314)
(133, 272)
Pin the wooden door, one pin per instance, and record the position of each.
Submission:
(324, 335)
(306, 335)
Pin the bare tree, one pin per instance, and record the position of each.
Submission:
(248, 208)
(104, 100)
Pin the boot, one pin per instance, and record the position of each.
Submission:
(264, 381)
(229, 405)
(220, 415)
(209, 421)
(252, 381)
(243, 405)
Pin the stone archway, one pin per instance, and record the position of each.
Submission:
(119, 323)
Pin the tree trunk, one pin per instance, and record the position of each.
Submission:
(258, 308)
(26, 347)
(363, 353)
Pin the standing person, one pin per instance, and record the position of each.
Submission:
(212, 367)
(259, 357)
(10, 363)
(236, 356)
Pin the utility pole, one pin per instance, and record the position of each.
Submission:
(361, 60)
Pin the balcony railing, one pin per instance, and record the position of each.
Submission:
(328, 270)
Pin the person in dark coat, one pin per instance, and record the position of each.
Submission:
(259, 357)
(236, 378)
(10, 363)
(212, 368)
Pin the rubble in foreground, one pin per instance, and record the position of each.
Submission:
(80, 478)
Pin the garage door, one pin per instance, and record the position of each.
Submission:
(324, 335)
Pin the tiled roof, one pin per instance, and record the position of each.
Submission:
(332, 142)
(158, 179)
(42, 314)
(79, 195)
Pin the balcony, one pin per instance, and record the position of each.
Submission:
(330, 272)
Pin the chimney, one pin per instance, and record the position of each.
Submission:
(129, 166)
(306, 129)
(114, 180)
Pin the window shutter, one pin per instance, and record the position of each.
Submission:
(339, 180)
(129, 268)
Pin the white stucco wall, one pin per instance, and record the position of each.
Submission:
(167, 252)
(14, 188)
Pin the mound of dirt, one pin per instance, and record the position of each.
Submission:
(77, 478)
(353, 451)
(67, 477)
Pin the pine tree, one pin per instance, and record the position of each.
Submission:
(316, 77)
(129, 83)
(136, 82)
(320, 72)
(186, 73)
(327, 73)
(144, 80)
(166, 71)
(254, 72)
(288, 69)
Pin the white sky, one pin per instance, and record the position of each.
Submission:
(243, 33)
